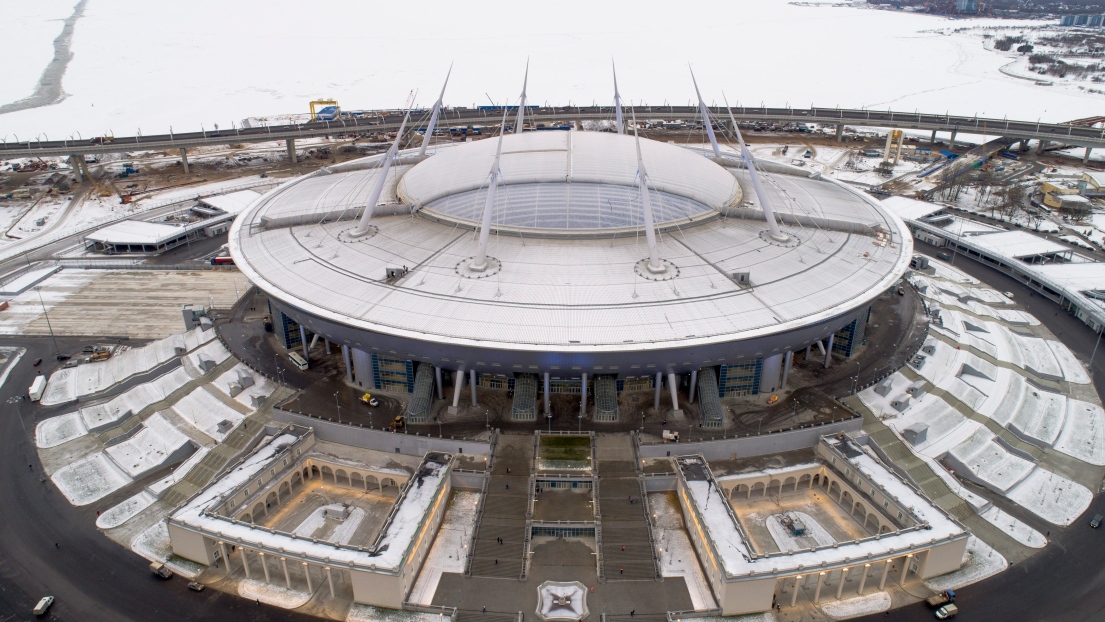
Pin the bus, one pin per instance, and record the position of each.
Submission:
(298, 360)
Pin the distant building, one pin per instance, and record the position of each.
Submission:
(1082, 21)
(966, 6)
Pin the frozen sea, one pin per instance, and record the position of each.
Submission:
(151, 65)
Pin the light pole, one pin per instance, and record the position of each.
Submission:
(57, 350)
(338, 404)
(1096, 343)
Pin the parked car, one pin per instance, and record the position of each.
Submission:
(37, 362)
(944, 256)
(195, 586)
(1096, 521)
(161, 570)
(947, 611)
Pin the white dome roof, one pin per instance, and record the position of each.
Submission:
(571, 157)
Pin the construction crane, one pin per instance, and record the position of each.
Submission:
(321, 102)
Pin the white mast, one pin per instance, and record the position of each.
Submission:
(765, 203)
(617, 101)
(655, 266)
(433, 116)
(706, 117)
(479, 262)
(381, 179)
(522, 103)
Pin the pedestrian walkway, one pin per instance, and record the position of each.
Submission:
(626, 547)
(501, 536)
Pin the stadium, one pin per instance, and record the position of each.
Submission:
(572, 260)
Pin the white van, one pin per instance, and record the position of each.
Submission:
(43, 605)
(297, 360)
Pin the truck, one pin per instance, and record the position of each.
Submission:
(947, 611)
(161, 570)
(671, 436)
(38, 387)
(941, 598)
(222, 261)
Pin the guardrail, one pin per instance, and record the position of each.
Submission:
(656, 562)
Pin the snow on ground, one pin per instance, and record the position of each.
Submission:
(980, 562)
(314, 521)
(57, 430)
(272, 594)
(368, 613)
(344, 531)
(786, 541)
(992, 463)
(1013, 527)
(153, 543)
(178, 473)
(90, 479)
(149, 449)
(204, 412)
(67, 385)
(134, 400)
(125, 511)
(27, 307)
(858, 606)
(261, 387)
(1052, 497)
(951, 273)
(450, 550)
(1073, 370)
(213, 351)
(1083, 435)
(677, 556)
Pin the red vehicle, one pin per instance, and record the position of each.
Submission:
(37, 362)
(222, 261)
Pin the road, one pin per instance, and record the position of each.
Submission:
(390, 120)
(93, 578)
(1065, 581)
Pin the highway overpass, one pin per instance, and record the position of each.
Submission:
(1068, 134)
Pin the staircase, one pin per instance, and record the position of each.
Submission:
(423, 397)
(623, 524)
(709, 399)
(504, 512)
(524, 407)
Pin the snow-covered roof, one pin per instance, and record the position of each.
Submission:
(404, 520)
(136, 232)
(1014, 244)
(911, 209)
(232, 203)
(1097, 177)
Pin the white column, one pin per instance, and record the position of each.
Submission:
(472, 384)
(288, 578)
(905, 569)
(863, 579)
(440, 386)
(290, 144)
(330, 580)
(583, 394)
(548, 409)
(348, 363)
(794, 595)
(840, 583)
(659, 386)
(458, 385)
(307, 571)
(885, 571)
(303, 339)
(924, 564)
(326, 344)
(264, 566)
(817, 590)
(245, 562)
(694, 380)
(808, 349)
(829, 351)
(226, 558)
(787, 362)
(184, 159)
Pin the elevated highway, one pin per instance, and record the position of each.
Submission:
(1066, 133)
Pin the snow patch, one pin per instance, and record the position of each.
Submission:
(90, 479)
(125, 511)
(858, 606)
(271, 594)
(1014, 528)
(980, 561)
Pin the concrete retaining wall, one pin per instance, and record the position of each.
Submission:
(744, 447)
(379, 440)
